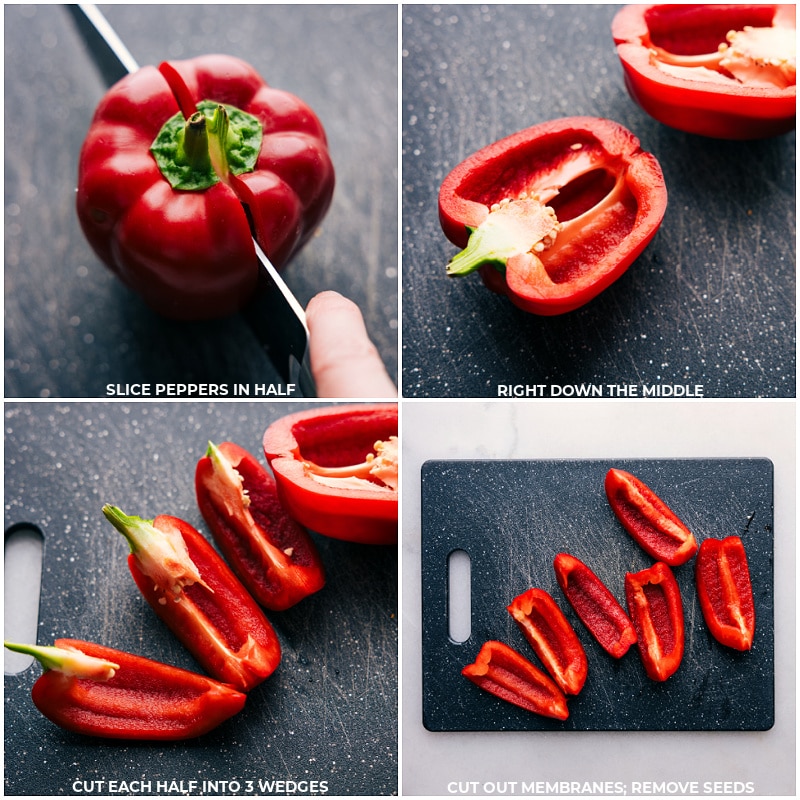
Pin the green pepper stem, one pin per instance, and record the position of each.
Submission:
(195, 144)
(69, 661)
(218, 128)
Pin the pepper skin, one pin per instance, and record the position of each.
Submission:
(656, 609)
(597, 608)
(648, 519)
(724, 71)
(116, 695)
(194, 592)
(554, 214)
(504, 673)
(552, 638)
(188, 252)
(329, 478)
(723, 584)
(272, 555)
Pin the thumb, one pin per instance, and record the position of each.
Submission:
(344, 362)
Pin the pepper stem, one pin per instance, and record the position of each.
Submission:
(67, 660)
(161, 554)
(218, 129)
(195, 142)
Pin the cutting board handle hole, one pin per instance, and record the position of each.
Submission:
(459, 596)
(22, 574)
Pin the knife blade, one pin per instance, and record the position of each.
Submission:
(274, 314)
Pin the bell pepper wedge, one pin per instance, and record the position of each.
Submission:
(552, 638)
(722, 71)
(554, 214)
(722, 577)
(597, 608)
(194, 592)
(656, 610)
(169, 157)
(337, 470)
(648, 519)
(503, 672)
(94, 690)
(273, 556)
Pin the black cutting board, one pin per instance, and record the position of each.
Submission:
(513, 517)
(329, 713)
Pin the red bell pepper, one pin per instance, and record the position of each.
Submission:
(656, 609)
(97, 691)
(648, 519)
(337, 470)
(726, 595)
(506, 674)
(597, 608)
(272, 555)
(553, 215)
(162, 173)
(552, 638)
(194, 592)
(725, 71)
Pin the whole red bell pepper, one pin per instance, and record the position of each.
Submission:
(725, 71)
(273, 556)
(337, 470)
(554, 214)
(723, 584)
(552, 638)
(163, 171)
(97, 691)
(193, 591)
(503, 672)
(648, 519)
(597, 608)
(656, 609)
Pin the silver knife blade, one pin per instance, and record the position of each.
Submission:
(275, 315)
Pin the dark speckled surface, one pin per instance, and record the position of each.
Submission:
(70, 326)
(513, 517)
(330, 711)
(710, 302)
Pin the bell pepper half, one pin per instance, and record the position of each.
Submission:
(656, 610)
(553, 215)
(552, 638)
(723, 584)
(337, 470)
(648, 519)
(272, 555)
(597, 608)
(724, 71)
(194, 592)
(503, 672)
(98, 691)
(169, 157)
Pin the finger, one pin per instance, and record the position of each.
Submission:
(344, 362)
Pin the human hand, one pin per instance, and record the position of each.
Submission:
(344, 362)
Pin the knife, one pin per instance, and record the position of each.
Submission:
(275, 316)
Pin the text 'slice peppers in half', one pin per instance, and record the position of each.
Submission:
(648, 519)
(337, 470)
(164, 169)
(725, 592)
(97, 691)
(503, 672)
(597, 608)
(194, 592)
(553, 215)
(656, 609)
(272, 554)
(552, 638)
(724, 71)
